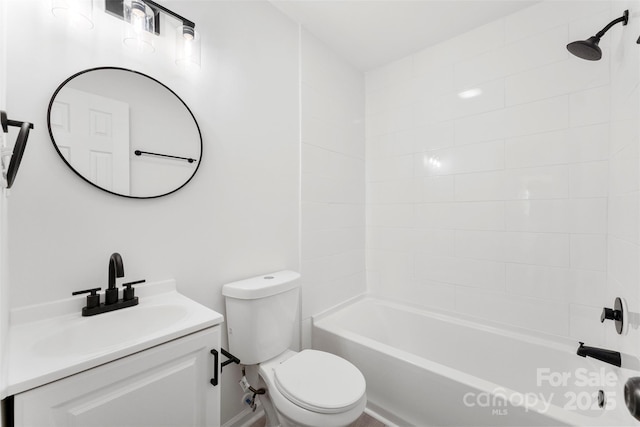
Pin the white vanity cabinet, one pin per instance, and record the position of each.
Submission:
(166, 385)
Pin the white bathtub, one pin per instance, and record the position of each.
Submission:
(430, 369)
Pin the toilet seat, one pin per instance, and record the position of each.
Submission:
(320, 382)
(296, 414)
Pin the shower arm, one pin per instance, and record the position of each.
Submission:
(624, 19)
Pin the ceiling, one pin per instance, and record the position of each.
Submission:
(371, 33)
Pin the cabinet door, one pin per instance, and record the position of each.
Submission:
(167, 385)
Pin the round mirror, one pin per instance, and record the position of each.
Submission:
(124, 132)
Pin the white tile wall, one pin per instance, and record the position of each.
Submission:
(333, 177)
(589, 143)
(519, 205)
(549, 15)
(623, 250)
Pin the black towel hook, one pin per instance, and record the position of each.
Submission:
(18, 148)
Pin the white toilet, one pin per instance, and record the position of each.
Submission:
(310, 388)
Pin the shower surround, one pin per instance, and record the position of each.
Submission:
(502, 173)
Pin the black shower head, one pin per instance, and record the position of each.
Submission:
(588, 49)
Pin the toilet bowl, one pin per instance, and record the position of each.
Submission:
(311, 388)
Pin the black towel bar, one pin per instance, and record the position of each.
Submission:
(139, 153)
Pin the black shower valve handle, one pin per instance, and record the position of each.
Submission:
(611, 314)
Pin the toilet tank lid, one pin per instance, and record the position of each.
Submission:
(262, 286)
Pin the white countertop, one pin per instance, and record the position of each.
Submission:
(50, 341)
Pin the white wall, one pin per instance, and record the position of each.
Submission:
(237, 218)
(497, 206)
(333, 180)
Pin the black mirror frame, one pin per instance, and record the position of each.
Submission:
(53, 141)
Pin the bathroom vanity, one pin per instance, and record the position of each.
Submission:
(147, 365)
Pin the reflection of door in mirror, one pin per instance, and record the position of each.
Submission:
(92, 134)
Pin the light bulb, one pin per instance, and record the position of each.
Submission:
(188, 32)
(137, 9)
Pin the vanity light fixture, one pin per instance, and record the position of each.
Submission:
(144, 17)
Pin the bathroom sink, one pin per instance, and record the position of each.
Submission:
(97, 334)
(51, 341)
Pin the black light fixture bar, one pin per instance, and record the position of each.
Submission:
(157, 6)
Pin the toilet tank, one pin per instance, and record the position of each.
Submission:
(261, 315)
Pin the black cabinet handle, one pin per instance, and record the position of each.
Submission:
(214, 380)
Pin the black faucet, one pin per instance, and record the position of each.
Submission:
(116, 269)
(111, 300)
(608, 356)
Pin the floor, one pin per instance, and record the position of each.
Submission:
(367, 421)
(364, 421)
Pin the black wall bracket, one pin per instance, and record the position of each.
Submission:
(18, 148)
(231, 359)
